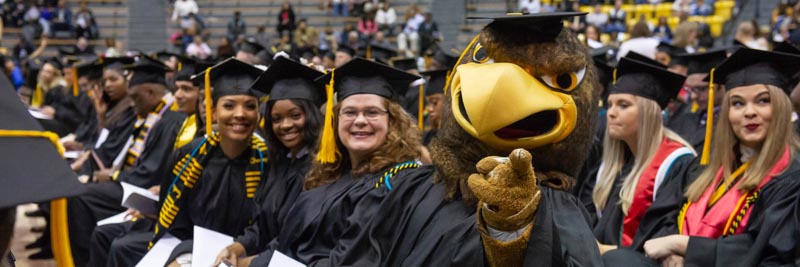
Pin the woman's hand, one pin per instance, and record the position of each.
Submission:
(230, 254)
(673, 261)
(662, 247)
(605, 248)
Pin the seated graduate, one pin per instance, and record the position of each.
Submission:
(742, 210)
(367, 139)
(124, 244)
(138, 163)
(644, 163)
(434, 102)
(215, 178)
(50, 87)
(293, 124)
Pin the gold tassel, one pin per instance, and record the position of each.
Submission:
(709, 119)
(207, 101)
(369, 52)
(614, 77)
(420, 119)
(38, 96)
(180, 66)
(74, 81)
(327, 147)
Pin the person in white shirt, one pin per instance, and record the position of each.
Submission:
(530, 6)
(183, 8)
(640, 42)
(408, 40)
(198, 48)
(386, 17)
(597, 17)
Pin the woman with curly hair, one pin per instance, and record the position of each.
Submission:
(367, 139)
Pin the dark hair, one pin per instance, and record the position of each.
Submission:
(311, 131)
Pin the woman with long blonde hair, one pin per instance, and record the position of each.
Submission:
(743, 209)
(643, 162)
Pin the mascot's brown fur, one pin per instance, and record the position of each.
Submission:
(455, 152)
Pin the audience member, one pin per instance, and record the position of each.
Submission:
(306, 38)
(236, 26)
(700, 8)
(198, 48)
(386, 18)
(597, 17)
(85, 24)
(285, 20)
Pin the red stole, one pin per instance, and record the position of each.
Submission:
(643, 194)
(699, 220)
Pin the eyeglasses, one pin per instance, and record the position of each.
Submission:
(370, 114)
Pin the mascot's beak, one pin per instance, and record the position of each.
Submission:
(505, 107)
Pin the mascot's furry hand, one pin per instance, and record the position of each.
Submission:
(508, 197)
(507, 190)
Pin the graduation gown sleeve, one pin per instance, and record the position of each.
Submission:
(118, 134)
(150, 164)
(771, 236)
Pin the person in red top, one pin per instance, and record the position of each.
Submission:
(743, 209)
(643, 162)
(367, 25)
(286, 20)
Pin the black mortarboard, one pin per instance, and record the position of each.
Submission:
(361, 76)
(605, 71)
(117, 62)
(703, 62)
(673, 52)
(33, 170)
(436, 82)
(647, 80)
(444, 58)
(165, 55)
(251, 46)
(288, 79)
(346, 49)
(541, 27)
(751, 66)
(405, 63)
(231, 77)
(70, 61)
(644, 59)
(147, 70)
(55, 62)
(187, 67)
(378, 51)
(93, 70)
(787, 47)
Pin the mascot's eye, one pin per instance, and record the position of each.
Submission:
(565, 81)
(479, 54)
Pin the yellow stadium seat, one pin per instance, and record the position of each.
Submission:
(629, 8)
(644, 9)
(664, 10)
(673, 22)
(607, 8)
(604, 38)
(724, 8)
(587, 9)
(715, 23)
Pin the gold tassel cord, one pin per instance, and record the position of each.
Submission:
(421, 110)
(74, 81)
(207, 101)
(327, 147)
(709, 120)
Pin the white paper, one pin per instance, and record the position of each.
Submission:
(39, 115)
(68, 138)
(159, 254)
(207, 244)
(279, 259)
(72, 154)
(140, 199)
(101, 138)
(114, 219)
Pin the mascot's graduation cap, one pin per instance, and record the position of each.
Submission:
(358, 76)
(542, 27)
(288, 79)
(646, 80)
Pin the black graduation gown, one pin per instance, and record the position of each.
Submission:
(319, 218)
(218, 201)
(103, 199)
(690, 125)
(414, 226)
(428, 136)
(656, 222)
(69, 109)
(284, 183)
(119, 132)
(771, 237)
